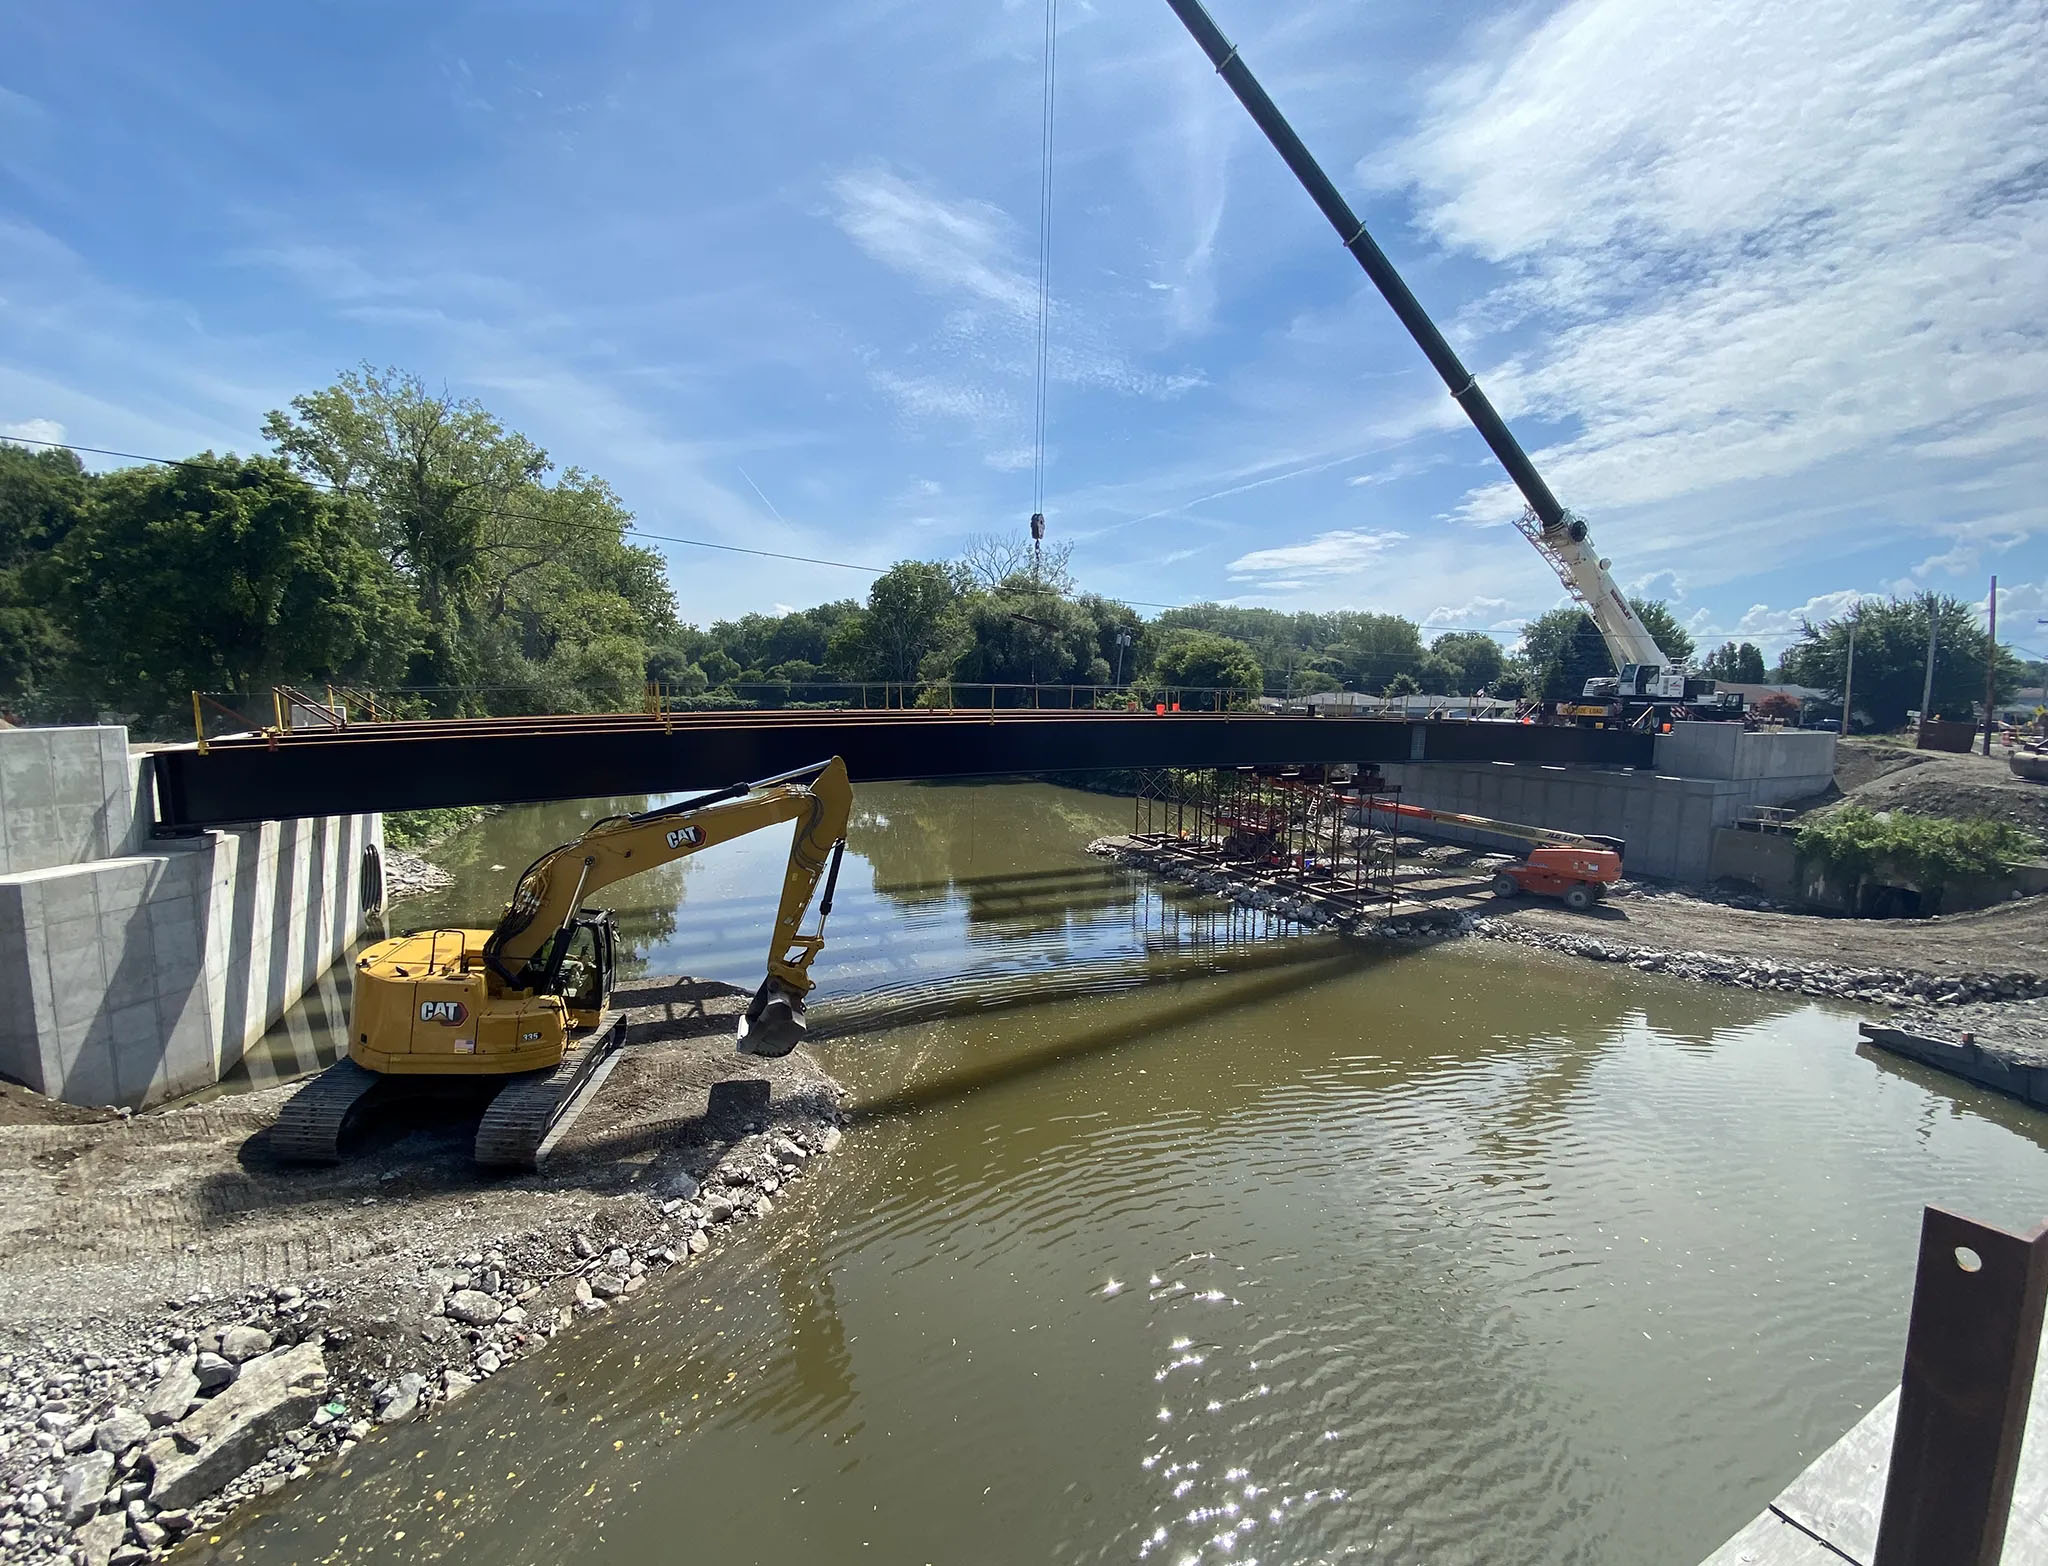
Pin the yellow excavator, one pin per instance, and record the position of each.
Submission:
(525, 1008)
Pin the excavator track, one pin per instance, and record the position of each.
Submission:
(314, 1121)
(529, 1110)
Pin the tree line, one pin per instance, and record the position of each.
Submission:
(406, 542)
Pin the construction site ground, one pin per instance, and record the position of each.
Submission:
(117, 1213)
(1887, 775)
(125, 1239)
(2012, 937)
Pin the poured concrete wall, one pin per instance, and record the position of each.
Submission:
(1789, 757)
(68, 795)
(136, 975)
(1666, 818)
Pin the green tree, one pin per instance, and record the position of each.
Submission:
(43, 495)
(1743, 665)
(1662, 624)
(911, 612)
(1475, 658)
(528, 591)
(223, 575)
(1359, 650)
(1891, 658)
(1200, 660)
(1024, 635)
(1401, 685)
(1563, 649)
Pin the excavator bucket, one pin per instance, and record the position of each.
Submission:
(773, 1023)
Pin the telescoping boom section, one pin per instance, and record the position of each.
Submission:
(1559, 536)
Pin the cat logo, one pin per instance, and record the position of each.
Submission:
(686, 837)
(449, 1014)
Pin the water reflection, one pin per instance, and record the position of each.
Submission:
(1468, 1255)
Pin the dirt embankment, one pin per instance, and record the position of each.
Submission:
(188, 1323)
(1883, 776)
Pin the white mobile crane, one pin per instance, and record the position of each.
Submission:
(1649, 689)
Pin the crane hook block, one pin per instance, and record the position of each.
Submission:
(1037, 526)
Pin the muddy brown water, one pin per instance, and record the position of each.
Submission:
(1301, 1252)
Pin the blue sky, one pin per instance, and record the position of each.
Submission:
(1764, 287)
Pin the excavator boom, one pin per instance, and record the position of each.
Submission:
(525, 949)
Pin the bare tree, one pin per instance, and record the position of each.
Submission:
(992, 559)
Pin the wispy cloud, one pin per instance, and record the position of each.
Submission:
(1340, 552)
(1753, 238)
(33, 430)
(951, 246)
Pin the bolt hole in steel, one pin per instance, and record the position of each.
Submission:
(1968, 1259)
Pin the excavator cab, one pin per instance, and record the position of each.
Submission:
(588, 965)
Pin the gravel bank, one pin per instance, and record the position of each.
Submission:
(408, 875)
(189, 1324)
(1881, 776)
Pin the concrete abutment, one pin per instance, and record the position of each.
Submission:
(1707, 776)
(135, 968)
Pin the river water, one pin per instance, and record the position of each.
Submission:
(1302, 1252)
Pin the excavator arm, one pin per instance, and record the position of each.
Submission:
(523, 951)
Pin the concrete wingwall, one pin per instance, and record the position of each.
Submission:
(1707, 775)
(136, 969)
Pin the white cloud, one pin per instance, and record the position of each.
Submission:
(1340, 552)
(927, 396)
(956, 246)
(1667, 585)
(1474, 614)
(2022, 607)
(1755, 237)
(48, 430)
(1771, 629)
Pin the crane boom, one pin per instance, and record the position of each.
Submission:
(1559, 536)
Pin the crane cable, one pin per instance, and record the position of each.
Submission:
(1048, 89)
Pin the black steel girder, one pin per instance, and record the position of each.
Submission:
(494, 761)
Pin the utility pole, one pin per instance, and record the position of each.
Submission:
(1849, 680)
(1927, 686)
(1123, 640)
(1991, 668)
